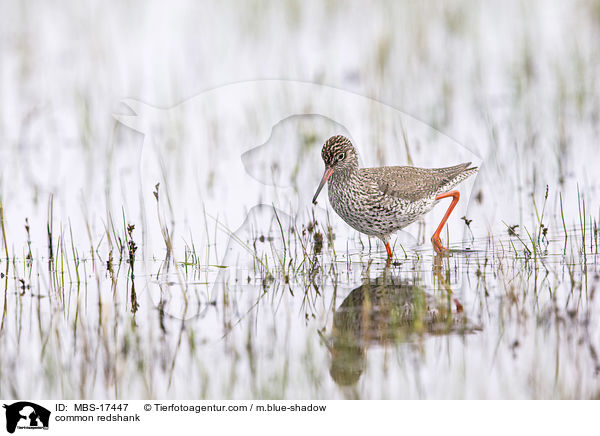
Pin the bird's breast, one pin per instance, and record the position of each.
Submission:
(368, 210)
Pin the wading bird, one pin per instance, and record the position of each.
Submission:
(380, 201)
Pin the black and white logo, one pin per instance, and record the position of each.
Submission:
(26, 415)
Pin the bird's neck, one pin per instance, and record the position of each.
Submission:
(345, 175)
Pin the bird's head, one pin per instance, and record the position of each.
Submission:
(339, 156)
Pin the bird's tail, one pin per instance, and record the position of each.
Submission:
(456, 175)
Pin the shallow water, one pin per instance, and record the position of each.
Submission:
(159, 238)
(490, 323)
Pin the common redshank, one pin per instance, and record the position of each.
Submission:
(380, 201)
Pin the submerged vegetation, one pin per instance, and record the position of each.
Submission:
(523, 301)
(140, 266)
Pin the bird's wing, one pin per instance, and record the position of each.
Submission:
(411, 183)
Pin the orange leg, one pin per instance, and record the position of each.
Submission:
(389, 250)
(435, 239)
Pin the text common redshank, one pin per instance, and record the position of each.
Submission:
(380, 201)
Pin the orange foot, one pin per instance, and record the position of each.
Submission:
(459, 307)
(437, 245)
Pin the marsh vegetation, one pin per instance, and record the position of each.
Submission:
(174, 253)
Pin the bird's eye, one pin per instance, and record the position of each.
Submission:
(341, 156)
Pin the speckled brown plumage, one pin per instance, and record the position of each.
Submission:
(380, 201)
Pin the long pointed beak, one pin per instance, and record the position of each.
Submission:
(326, 175)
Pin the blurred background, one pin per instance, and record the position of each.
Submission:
(516, 83)
(100, 103)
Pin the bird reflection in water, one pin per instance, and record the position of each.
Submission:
(384, 311)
